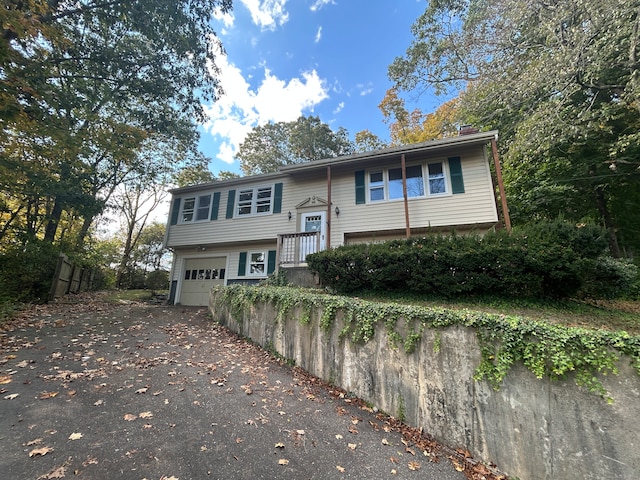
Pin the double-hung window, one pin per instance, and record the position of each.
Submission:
(255, 201)
(257, 264)
(437, 182)
(196, 208)
(387, 184)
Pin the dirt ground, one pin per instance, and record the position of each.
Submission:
(97, 390)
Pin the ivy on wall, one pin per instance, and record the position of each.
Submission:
(547, 350)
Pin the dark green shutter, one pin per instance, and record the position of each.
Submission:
(360, 190)
(271, 262)
(455, 168)
(242, 264)
(215, 206)
(175, 211)
(231, 203)
(277, 198)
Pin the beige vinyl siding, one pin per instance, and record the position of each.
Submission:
(475, 206)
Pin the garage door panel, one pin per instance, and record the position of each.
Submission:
(199, 277)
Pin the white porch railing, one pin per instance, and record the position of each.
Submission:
(293, 248)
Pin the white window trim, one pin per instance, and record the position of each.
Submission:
(425, 182)
(194, 211)
(445, 174)
(264, 262)
(254, 201)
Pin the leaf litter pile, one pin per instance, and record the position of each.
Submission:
(97, 390)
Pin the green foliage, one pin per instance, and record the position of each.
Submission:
(560, 81)
(270, 146)
(548, 351)
(550, 259)
(26, 273)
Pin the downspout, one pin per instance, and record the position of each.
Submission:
(406, 199)
(503, 197)
(328, 242)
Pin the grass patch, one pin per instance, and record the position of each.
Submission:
(119, 296)
(613, 315)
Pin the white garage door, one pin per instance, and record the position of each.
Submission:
(200, 275)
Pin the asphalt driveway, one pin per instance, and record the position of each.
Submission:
(94, 390)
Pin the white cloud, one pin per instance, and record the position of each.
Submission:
(318, 35)
(318, 4)
(241, 108)
(365, 89)
(267, 14)
(339, 108)
(225, 19)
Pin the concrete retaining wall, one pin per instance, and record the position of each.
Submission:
(531, 429)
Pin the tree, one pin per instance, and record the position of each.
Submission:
(366, 141)
(415, 127)
(269, 146)
(87, 90)
(136, 206)
(560, 79)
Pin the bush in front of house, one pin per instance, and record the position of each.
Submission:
(551, 259)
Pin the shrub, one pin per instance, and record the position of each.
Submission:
(553, 259)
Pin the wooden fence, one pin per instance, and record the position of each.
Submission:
(70, 278)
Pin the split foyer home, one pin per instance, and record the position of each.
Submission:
(244, 229)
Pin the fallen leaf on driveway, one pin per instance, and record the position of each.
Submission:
(142, 390)
(57, 473)
(130, 417)
(283, 461)
(146, 415)
(37, 441)
(40, 451)
(279, 445)
(414, 466)
(12, 396)
(340, 469)
(4, 379)
(75, 436)
(353, 446)
(47, 395)
(22, 364)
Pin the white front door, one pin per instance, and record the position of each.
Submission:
(312, 222)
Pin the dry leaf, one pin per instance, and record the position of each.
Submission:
(339, 437)
(130, 417)
(283, 461)
(146, 415)
(40, 451)
(22, 364)
(98, 403)
(353, 446)
(279, 445)
(457, 465)
(385, 441)
(47, 395)
(408, 450)
(300, 432)
(57, 473)
(75, 436)
(90, 461)
(394, 471)
(12, 396)
(142, 390)
(414, 466)
(340, 469)
(37, 441)
(4, 379)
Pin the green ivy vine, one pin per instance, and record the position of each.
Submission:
(547, 350)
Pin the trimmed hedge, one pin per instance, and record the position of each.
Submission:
(554, 259)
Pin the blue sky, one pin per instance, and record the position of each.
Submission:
(286, 58)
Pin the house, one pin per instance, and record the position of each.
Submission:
(243, 229)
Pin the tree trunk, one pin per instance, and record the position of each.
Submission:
(601, 201)
(54, 220)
